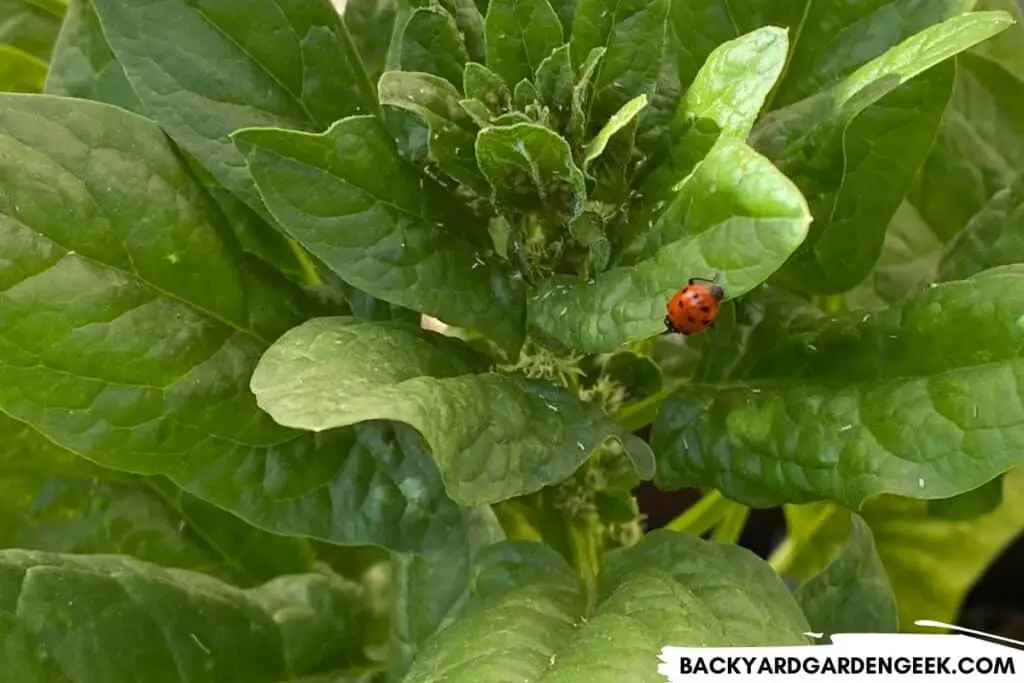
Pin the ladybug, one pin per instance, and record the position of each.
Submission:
(694, 307)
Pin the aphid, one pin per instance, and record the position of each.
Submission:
(693, 308)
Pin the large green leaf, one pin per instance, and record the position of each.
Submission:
(110, 618)
(494, 436)
(83, 65)
(736, 215)
(932, 564)
(865, 137)
(31, 25)
(846, 407)
(383, 227)
(235, 64)
(528, 619)
(836, 38)
(427, 592)
(852, 594)
(520, 35)
(133, 321)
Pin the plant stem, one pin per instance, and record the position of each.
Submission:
(731, 526)
(585, 539)
(783, 557)
(703, 515)
(308, 269)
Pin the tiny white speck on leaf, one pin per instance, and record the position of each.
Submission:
(920, 483)
(580, 444)
(551, 406)
(564, 310)
(975, 411)
(845, 428)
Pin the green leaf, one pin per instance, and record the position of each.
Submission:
(555, 83)
(512, 436)
(134, 321)
(520, 35)
(288, 64)
(634, 35)
(471, 25)
(973, 503)
(1006, 49)
(111, 618)
(383, 227)
(530, 168)
(321, 618)
(622, 118)
(994, 237)
(852, 594)
(836, 38)
(480, 83)
(83, 64)
(431, 43)
(370, 24)
(909, 404)
(452, 131)
(20, 71)
(726, 96)
(582, 93)
(932, 564)
(867, 137)
(477, 111)
(428, 591)
(736, 215)
(529, 616)
(31, 25)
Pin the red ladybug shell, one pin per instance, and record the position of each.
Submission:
(693, 308)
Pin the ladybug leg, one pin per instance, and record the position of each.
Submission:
(668, 326)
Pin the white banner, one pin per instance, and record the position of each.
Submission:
(853, 658)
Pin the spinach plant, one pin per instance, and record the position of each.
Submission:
(332, 338)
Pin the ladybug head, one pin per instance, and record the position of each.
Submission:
(717, 292)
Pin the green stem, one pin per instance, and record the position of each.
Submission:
(308, 267)
(783, 557)
(703, 515)
(731, 526)
(585, 542)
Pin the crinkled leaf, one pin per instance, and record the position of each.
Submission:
(383, 227)
(114, 619)
(470, 21)
(480, 83)
(634, 35)
(865, 138)
(525, 94)
(494, 436)
(617, 122)
(932, 564)
(31, 25)
(836, 38)
(852, 594)
(477, 111)
(20, 71)
(529, 620)
(431, 43)
(994, 237)
(235, 64)
(520, 35)
(83, 64)
(428, 591)
(736, 215)
(530, 168)
(555, 83)
(452, 131)
(909, 410)
(371, 24)
(133, 323)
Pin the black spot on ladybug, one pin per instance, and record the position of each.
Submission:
(680, 304)
(695, 296)
(705, 309)
(690, 318)
(705, 322)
